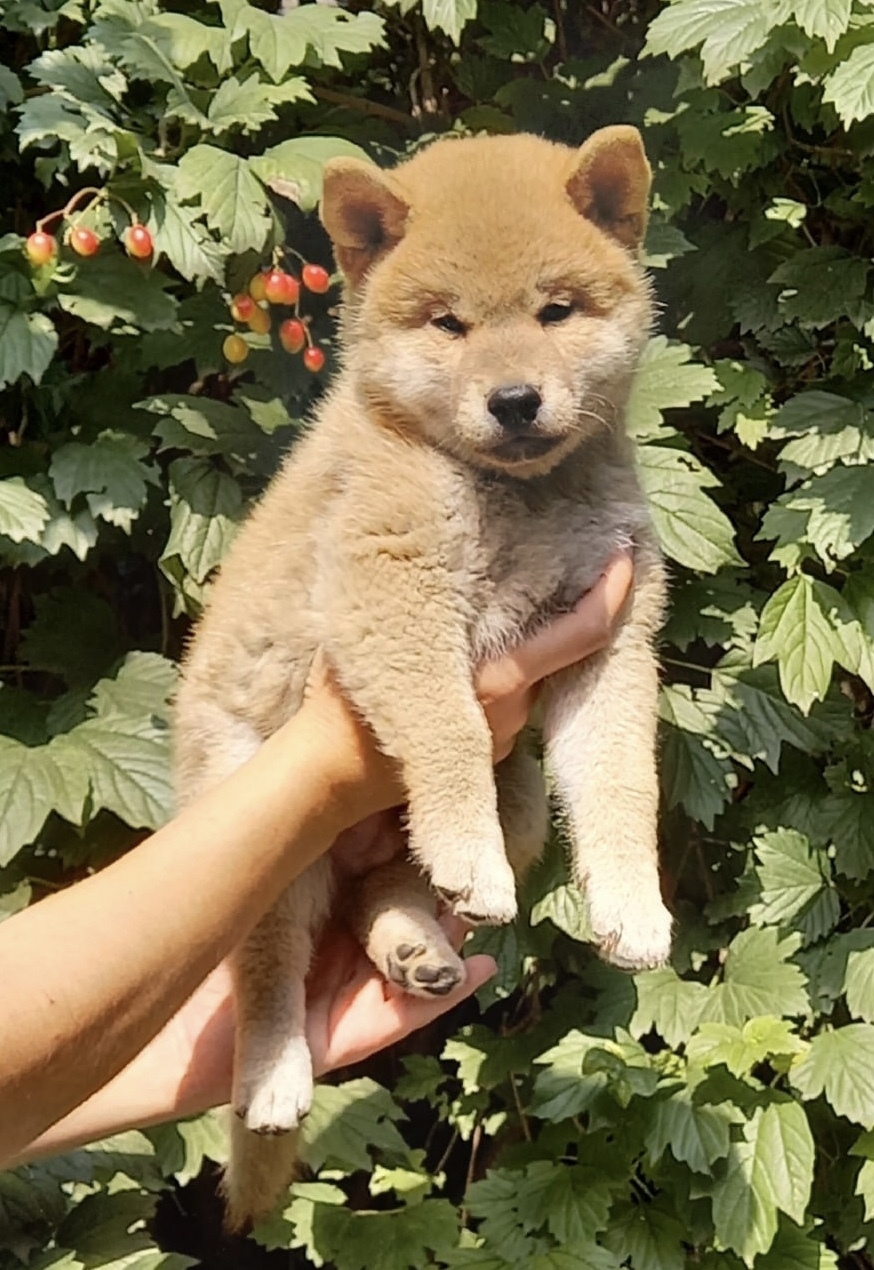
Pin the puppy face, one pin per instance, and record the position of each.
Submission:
(495, 307)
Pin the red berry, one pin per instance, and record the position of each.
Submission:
(138, 242)
(83, 241)
(258, 287)
(40, 247)
(315, 278)
(242, 307)
(281, 287)
(313, 359)
(292, 335)
(235, 349)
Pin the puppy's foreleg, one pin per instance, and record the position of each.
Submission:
(600, 722)
(401, 647)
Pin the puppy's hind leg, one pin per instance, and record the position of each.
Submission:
(393, 914)
(273, 1078)
(273, 1072)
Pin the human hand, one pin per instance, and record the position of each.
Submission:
(188, 1067)
(366, 781)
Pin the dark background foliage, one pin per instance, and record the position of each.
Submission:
(719, 1112)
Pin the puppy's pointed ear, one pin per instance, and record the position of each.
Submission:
(362, 212)
(609, 183)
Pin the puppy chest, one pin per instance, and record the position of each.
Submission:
(530, 568)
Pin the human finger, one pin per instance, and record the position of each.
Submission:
(367, 1020)
(587, 629)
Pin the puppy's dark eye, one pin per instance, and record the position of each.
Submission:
(552, 313)
(449, 323)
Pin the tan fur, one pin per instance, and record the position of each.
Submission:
(413, 536)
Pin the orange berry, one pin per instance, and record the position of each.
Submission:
(235, 349)
(258, 287)
(83, 241)
(258, 321)
(40, 248)
(138, 242)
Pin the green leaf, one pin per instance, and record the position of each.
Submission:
(11, 92)
(840, 1064)
(128, 771)
(24, 513)
(796, 1249)
(690, 526)
(399, 1240)
(695, 1135)
(248, 104)
(755, 719)
(349, 1121)
(740, 1049)
(186, 244)
(113, 292)
(647, 1238)
(231, 196)
(565, 907)
(205, 505)
(28, 342)
(758, 978)
(825, 19)
(667, 1003)
(572, 1202)
(667, 378)
(205, 427)
(794, 631)
(859, 984)
(841, 511)
(110, 472)
(729, 31)
(850, 87)
(770, 1168)
(184, 40)
(821, 285)
(31, 786)
(695, 769)
(450, 16)
(560, 1089)
(794, 877)
(140, 689)
(298, 164)
(74, 634)
(301, 35)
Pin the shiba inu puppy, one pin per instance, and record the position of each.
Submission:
(467, 477)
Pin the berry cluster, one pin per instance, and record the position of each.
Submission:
(275, 286)
(41, 247)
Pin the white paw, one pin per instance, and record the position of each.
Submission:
(634, 934)
(482, 892)
(277, 1097)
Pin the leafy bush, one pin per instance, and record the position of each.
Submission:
(720, 1112)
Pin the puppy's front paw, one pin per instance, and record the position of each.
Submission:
(276, 1098)
(484, 895)
(633, 934)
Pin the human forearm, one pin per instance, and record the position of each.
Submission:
(90, 975)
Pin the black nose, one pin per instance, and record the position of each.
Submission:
(515, 406)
